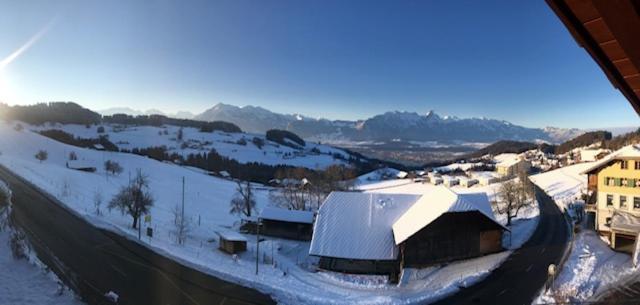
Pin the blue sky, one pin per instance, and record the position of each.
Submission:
(509, 60)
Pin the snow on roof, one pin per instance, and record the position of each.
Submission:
(224, 173)
(629, 151)
(625, 222)
(273, 213)
(231, 235)
(80, 164)
(359, 225)
(402, 174)
(98, 146)
(434, 204)
(509, 162)
(484, 175)
(504, 157)
(371, 225)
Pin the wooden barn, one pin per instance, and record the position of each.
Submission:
(375, 233)
(81, 165)
(232, 242)
(289, 224)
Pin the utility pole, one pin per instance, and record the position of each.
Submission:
(257, 243)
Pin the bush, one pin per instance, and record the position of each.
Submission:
(258, 142)
(241, 141)
(42, 155)
(112, 167)
(101, 129)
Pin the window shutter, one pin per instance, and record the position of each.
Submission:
(631, 182)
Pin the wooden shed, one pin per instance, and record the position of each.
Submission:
(232, 242)
(289, 224)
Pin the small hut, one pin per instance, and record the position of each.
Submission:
(232, 242)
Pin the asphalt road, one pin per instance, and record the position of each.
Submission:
(95, 261)
(520, 278)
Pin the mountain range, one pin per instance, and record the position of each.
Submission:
(386, 127)
(389, 126)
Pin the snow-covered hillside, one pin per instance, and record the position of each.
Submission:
(238, 146)
(288, 273)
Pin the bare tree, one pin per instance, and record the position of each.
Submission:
(243, 202)
(182, 225)
(97, 201)
(112, 167)
(42, 155)
(134, 199)
(512, 197)
(180, 134)
(290, 196)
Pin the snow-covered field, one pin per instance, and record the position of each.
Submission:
(591, 264)
(25, 281)
(238, 146)
(288, 276)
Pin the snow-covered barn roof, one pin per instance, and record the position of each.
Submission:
(80, 164)
(369, 226)
(98, 146)
(358, 225)
(432, 205)
(279, 214)
(629, 151)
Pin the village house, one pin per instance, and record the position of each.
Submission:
(284, 223)
(590, 155)
(614, 184)
(375, 233)
(510, 167)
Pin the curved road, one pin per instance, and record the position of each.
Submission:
(518, 280)
(95, 261)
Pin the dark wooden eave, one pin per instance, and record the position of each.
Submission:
(610, 32)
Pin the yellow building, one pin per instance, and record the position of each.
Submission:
(614, 183)
(511, 167)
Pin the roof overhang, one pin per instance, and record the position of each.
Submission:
(609, 30)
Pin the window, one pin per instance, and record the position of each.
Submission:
(624, 164)
(623, 202)
(636, 202)
(609, 200)
(608, 221)
(636, 165)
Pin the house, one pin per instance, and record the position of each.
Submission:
(402, 175)
(224, 174)
(510, 167)
(450, 180)
(591, 155)
(81, 165)
(284, 223)
(98, 146)
(614, 184)
(376, 233)
(232, 242)
(467, 182)
(436, 180)
(485, 178)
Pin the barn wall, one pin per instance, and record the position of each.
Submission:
(450, 237)
(288, 230)
(359, 266)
